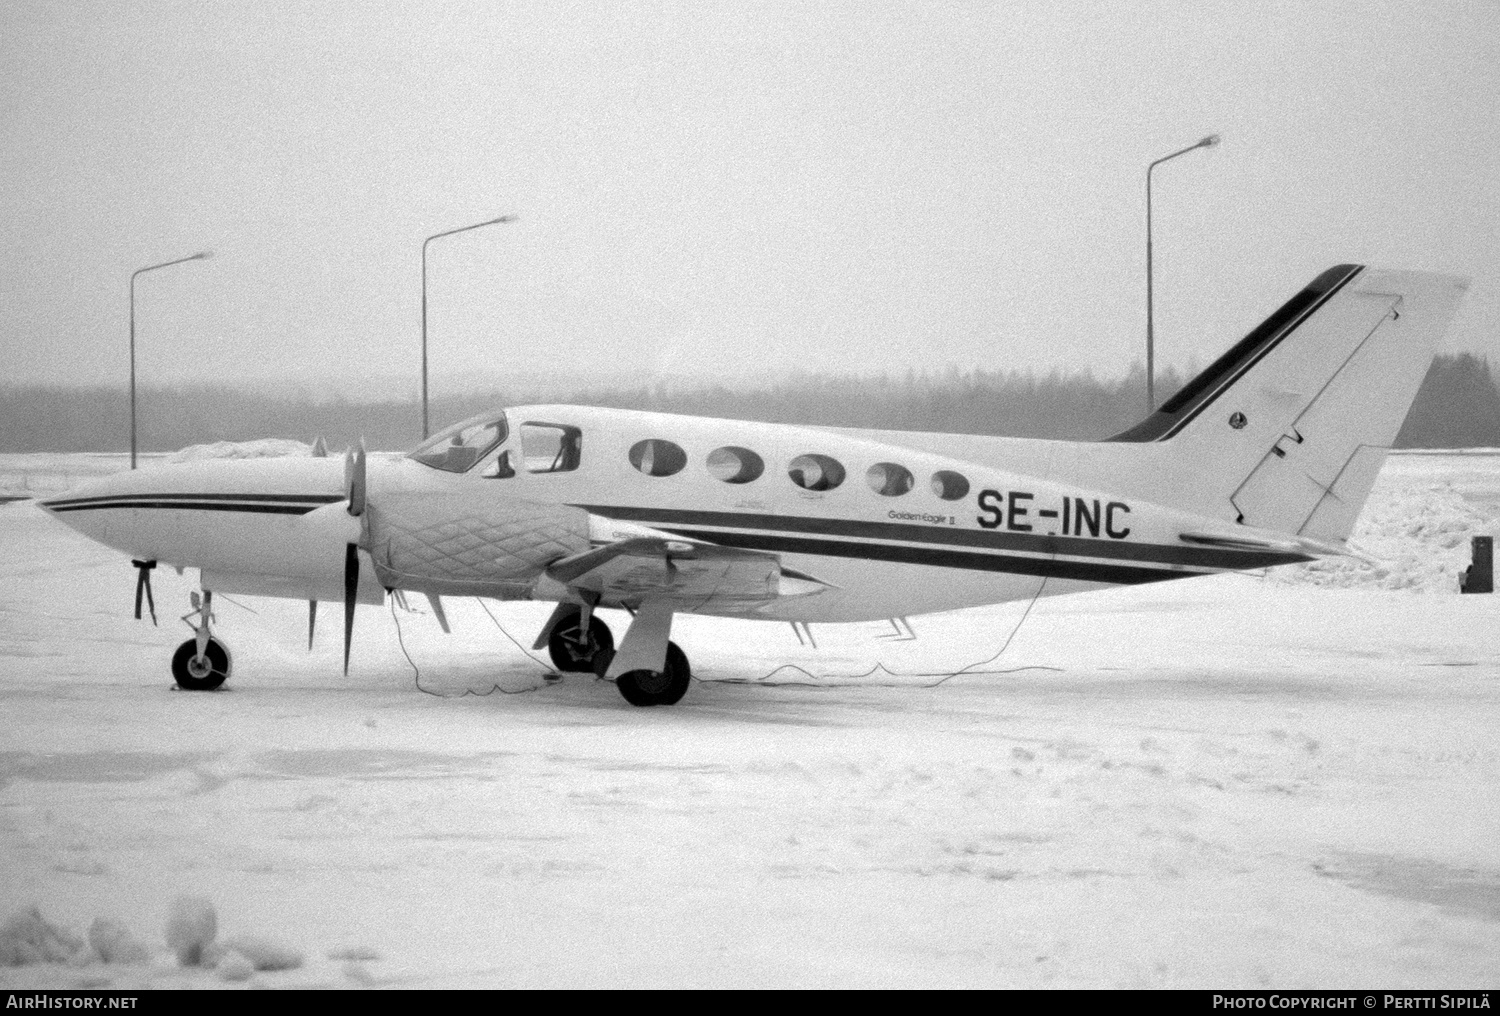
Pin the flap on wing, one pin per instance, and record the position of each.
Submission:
(569, 569)
(684, 570)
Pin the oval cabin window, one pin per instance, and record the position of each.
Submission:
(816, 472)
(889, 480)
(657, 457)
(733, 464)
(948, 485)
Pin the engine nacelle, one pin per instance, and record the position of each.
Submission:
(474, 542)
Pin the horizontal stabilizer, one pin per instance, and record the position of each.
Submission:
(1276, 542)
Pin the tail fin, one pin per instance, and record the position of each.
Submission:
(1292, 424)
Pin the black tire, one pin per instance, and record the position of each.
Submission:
(657, 688)
(195, 677)
(573, 655)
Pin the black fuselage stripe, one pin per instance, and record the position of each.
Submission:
(203, 506)
(1060, 568)
(1215, 558)
(313, 500)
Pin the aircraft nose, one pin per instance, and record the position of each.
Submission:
(214, 511)
(101, 509)
(92, 492)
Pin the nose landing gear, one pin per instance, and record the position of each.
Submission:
(201, 663)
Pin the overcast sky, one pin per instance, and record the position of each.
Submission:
(719, 189)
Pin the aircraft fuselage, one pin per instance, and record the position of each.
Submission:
(887, 530)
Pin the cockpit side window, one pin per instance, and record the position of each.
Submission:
(551, 447)
(458, 448)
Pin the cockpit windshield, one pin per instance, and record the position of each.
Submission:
(458, 448)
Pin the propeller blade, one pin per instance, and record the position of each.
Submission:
(143, 586)
(437, 612)
(354, 479)
(312, 620)
(351, 589)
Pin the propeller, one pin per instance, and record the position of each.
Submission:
(354, 482)
(354, 479)
(143, 585)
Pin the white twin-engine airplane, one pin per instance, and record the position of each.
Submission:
(1265, 458)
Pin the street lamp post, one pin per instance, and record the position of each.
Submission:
(438, 236)
(202, 255)
(1208, 142)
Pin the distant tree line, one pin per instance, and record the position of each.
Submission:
(1458, 407)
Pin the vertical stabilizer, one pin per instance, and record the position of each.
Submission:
(1288, 429)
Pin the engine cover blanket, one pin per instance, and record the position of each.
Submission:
(472, 543)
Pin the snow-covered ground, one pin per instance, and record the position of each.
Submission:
(1249, 780)
(1417, 526)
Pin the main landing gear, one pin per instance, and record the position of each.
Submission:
(574, 648)
(652, 687)
(648, 669)
(201, 663)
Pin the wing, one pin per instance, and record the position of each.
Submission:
(687, 574)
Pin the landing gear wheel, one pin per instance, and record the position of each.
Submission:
(652, 687)
(200, 674)
(574, 653)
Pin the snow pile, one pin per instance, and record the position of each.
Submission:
(113, 943)
(265, 448)
(26, 475)
(259, 953)
(191, 928)
(1418, 535)
(29, 939)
